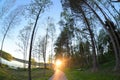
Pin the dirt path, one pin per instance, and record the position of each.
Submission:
(58, 75)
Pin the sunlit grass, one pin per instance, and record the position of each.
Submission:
(6, 75)
(22, 74)
(73, 74)
(37, 74)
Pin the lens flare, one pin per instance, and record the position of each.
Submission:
(58, 63)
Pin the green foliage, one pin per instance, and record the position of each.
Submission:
(107, 57)
(91, 10)
(105, 48)
(33, 61)
(6, 55)
(36, 5)
(108, 66)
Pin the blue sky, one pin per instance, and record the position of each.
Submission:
(10, 42)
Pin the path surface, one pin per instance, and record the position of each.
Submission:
(58, 75)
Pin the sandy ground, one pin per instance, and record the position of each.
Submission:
(58, 75)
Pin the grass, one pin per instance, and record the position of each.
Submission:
(5, 75)
(21, 74)
(105, 73)
(73, 74)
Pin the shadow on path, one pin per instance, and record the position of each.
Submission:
(58, 75)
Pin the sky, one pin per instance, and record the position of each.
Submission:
(11, 40)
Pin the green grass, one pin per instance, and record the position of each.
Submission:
(87, 75)
(105, 73)
(21, 74)
(6, 75)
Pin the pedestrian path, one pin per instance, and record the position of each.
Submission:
(58, 75)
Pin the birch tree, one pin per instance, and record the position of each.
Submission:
(24, 38)
(36, 8)
(9, 22)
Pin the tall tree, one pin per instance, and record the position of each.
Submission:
(76, 7)
(89, 7)
(52, 35)
(24, 38)
(64, 41)
(38, 48)
(6, 6)
(115, 0)
(105, 48)
(9, 22)
(45, 48)
(36, 8)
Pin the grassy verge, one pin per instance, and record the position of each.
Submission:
(105, 73)
(21, 74)
(87, 75)
(5, 75)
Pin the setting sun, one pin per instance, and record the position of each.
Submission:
(58, 63)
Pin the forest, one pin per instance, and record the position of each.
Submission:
(86, 37)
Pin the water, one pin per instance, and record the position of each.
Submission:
(12, 64)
